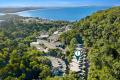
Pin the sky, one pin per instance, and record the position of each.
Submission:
(57, 3)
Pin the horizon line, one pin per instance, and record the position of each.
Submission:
(58, 6)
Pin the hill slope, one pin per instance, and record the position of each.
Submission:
(101, 35)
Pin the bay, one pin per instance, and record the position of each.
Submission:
(64, 13)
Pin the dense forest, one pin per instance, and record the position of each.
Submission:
(99, 33)
(18, 61)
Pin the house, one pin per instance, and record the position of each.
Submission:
(53, 38)
(34, 43)
(38, 46)
(67, 28)
(56, 32)
(58, 44)
(44, 36)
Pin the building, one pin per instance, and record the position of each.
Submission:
(43, 36)
(53, 38)
(56, 32)
(67, 28)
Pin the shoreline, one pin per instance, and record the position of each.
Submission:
(17, 11)
(45, 8)
(30, 13)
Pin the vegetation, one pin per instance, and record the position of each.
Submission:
(66, 37)
(71, 76)
(29, 64)
(70, 39)
(17, 60)
(101, 35)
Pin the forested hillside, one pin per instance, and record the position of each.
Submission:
(101, 35)
(18, 61)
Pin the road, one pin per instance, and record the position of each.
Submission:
(80, 66)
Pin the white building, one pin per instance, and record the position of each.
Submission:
(43, 36)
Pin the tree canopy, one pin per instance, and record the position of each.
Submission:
(101, 35)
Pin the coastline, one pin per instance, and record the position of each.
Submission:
(41, 8)
(32, 10)
(16, 10)
(51, 13)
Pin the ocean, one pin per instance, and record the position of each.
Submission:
(64, 13)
